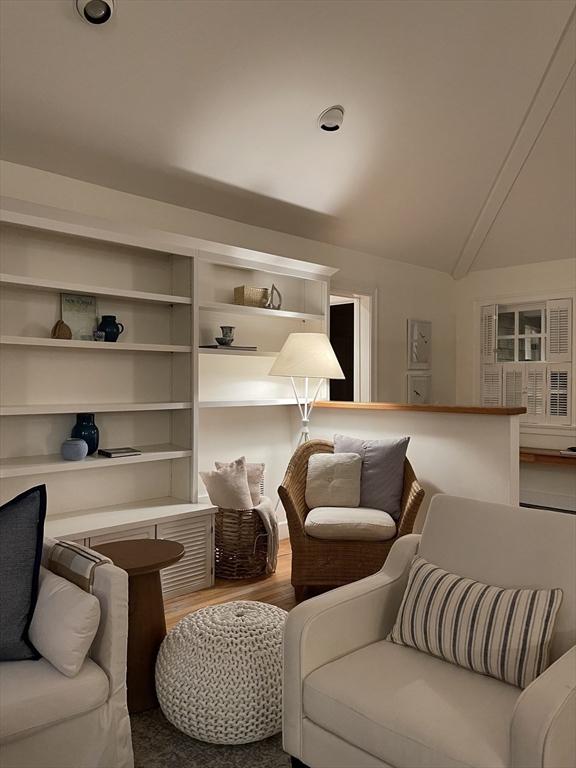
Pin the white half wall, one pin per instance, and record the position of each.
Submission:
(461, 454)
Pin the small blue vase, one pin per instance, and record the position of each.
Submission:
(74, 449)
(85, 429)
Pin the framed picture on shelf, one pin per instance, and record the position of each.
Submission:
(419, 349)
(80, 313)
(419, 388)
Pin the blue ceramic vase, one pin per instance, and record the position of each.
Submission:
(74, 449)
(85, 429)
(110, 327)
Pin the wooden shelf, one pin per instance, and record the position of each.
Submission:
(245, 403)
(472, 410)
(40, 284)
(99, 520)
(237, 352)
(31, 341)
(55, 408)
(47, 464)
(547, 456)
(238, 309)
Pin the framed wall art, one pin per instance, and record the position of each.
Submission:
(419, 388)
(419, 349)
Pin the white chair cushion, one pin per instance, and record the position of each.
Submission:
(35, 695)
(333, 480)
(64, 623)
(353, 524)
(412, 710)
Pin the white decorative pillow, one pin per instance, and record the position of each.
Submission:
(255, 475)
(333, 480)
(502, 633)
(228, 486)
(64, 623)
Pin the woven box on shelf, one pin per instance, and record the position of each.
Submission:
(251, 297)
(240, 544)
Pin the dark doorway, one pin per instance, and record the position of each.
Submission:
(342, 338)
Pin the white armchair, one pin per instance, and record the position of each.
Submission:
(48, 720)
(353, 699)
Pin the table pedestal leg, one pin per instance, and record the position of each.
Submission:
(146, 630)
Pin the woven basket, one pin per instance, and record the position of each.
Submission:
(251, 297)
(240, 544)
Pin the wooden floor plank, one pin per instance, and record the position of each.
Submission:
(275, 589)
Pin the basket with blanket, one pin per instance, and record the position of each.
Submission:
(246, 529)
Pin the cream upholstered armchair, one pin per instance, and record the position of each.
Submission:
(353, 699)
(49, 720)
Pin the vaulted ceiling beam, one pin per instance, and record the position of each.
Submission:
(559, 68)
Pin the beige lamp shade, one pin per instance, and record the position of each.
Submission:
(307, 355)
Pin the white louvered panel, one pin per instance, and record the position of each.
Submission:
(491, 386)
(194, 571)
(512, 386)
(488, 320)
(559, 394)
(559, 336)
(138, 532)
(535, 400)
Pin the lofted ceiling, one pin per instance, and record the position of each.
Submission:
(212, 104)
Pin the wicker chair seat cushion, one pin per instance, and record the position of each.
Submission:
(352, 524)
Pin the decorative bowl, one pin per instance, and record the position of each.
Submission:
(222, 342)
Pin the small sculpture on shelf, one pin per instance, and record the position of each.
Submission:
(61, 331)
(86, 429)
(227, 335)
(274, 304)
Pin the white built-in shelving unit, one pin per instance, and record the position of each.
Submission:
(171, 293)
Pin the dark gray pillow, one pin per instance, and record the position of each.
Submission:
(382, 478)
(21, 537)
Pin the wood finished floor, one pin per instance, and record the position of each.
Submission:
(275, 589)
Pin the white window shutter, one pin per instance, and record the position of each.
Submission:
(559, 331)
(535, 394)
(512, 386)
(488, 322)
(491, 386)
(559, 385)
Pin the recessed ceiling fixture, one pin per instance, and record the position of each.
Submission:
(331, 119)
(95, 11)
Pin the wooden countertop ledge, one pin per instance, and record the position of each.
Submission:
(422, 408)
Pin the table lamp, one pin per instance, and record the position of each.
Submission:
(307, 356)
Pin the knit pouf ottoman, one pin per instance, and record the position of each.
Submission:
(219, 673)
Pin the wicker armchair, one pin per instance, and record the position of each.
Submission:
(331, 563)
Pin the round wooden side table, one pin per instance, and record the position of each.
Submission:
(143, 559)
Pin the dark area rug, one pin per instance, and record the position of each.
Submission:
(157, 744)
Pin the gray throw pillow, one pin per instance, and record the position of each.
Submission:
(21, 538)
(382, 478)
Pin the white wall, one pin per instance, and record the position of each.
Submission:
(401, 290)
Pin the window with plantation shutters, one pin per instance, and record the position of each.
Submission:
(559, 343)
(559, 394)
(535, 398)
(521, 346)
(491, 386)
(513, 386)
(488, 334)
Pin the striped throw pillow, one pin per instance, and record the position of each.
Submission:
(503, 633)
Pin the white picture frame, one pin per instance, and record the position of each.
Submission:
(419, 344)
(80, 313)
(419, 388)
